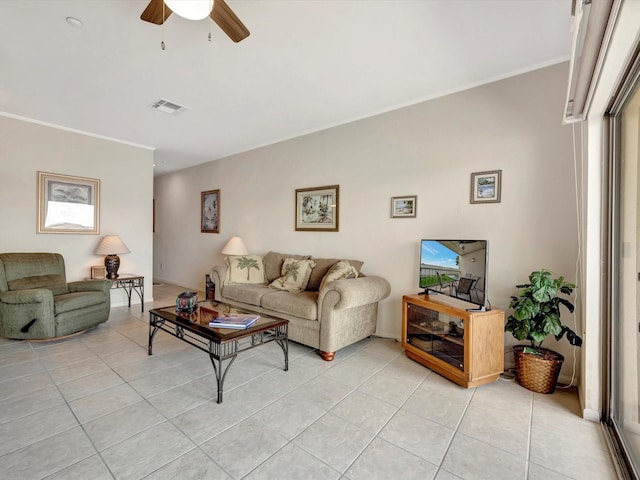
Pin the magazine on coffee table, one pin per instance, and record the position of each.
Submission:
(234, 320)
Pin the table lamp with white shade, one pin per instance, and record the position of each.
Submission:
(111, 246)
(235, 246)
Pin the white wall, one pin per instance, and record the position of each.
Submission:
(126, 187)
(429, 150)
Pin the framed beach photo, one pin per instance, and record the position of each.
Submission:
(68, 204)
(404, 207)
(210, 211)
(317, 209)
(486, 186)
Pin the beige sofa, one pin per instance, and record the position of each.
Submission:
(328, 318)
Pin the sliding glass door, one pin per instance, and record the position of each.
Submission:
(622, 412)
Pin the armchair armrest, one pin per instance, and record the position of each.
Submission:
(27, 313)
(354, 292)
(90, 286)
(31, 295)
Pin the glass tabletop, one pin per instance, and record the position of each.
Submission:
(199, 319)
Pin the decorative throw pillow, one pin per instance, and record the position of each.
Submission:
(341, 269)
(322, 267)
(273, 264)
(295, 275)
(245, 269)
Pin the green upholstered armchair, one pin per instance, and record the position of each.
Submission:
(36, 302)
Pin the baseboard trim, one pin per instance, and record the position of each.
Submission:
(591, 415)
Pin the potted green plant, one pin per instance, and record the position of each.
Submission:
(536, 315)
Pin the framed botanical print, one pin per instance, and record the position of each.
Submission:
(210, 211)
(317, 209)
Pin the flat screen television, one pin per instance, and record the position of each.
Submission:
(457, 268)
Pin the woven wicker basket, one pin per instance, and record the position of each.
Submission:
(538, 373)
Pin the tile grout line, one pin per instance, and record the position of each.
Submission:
(529, 439)
(353, 389)
(376, 435)
(455, 432)
(91, 442)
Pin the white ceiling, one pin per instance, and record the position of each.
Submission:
(307, 65)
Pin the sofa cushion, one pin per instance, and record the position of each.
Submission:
(303, 304)
(322, 267)
(56, 283)
(249, 294)
(245, 269)
(273, 264)
(341, 269)
(295, 275)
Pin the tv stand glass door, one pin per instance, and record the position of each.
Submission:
(437, 334)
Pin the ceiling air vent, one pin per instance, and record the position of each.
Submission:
(165, 106)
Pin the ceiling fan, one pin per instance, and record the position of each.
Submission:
(158, 11)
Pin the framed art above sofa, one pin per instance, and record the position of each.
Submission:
(317, 209)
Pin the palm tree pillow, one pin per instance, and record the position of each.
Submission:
(295, 275)
(245, 269)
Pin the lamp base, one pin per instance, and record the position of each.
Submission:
(112, 263)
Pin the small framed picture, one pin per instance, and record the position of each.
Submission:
(210, 211)
(404, 207)
(317, 208)
(99, 272)
(486, 186)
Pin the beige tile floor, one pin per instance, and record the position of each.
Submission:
(96, 406)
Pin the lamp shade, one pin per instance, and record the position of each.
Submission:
(111, 245)
(235, 246)
(191, 9)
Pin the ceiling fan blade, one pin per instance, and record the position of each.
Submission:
(154, 12)
(228, 21)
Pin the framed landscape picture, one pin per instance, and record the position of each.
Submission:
(68, 204)
(210, 211)
(317, 209)
(404, 207)
(486, 186)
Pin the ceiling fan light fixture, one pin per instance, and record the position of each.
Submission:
(191, 9)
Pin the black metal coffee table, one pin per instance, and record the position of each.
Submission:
(220, 343)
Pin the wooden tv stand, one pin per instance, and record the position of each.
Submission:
(465, 347)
